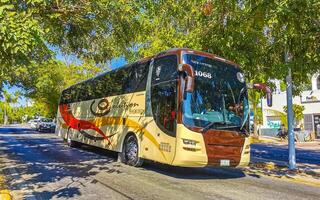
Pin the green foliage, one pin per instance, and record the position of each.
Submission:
(259, 116)
(21, 38)
(284, 119)
(254, 98)
(50, 78)
(6, 105)
(297, 111)
(254, 34)
(91, 30)
(17, 114)
(283, 86)
(297, 114)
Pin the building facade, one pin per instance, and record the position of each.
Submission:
(310, 99)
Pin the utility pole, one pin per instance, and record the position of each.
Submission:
(291, 144)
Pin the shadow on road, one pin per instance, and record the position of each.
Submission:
(46, 163)
(42, 162)
(193, 173)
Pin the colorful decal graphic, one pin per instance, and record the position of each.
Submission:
(112, 121)
(103, 106)
(80, 125)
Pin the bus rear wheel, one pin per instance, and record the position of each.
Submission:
(130, 152)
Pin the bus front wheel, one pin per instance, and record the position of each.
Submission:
(130, 152)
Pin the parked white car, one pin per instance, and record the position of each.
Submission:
(46, 124)
(33, 123)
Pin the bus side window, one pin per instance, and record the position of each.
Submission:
(164, 69)
(66, 96)
(137, 78)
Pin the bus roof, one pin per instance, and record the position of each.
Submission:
(202, 53)
(163, 53)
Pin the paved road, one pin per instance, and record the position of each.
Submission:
(306, 154)
(42, 167)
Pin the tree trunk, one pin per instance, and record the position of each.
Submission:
(5, 117)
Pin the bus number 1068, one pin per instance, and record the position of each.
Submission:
(203, 74)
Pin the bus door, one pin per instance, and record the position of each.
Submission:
(163, 106)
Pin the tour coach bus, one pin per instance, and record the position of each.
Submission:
(180, 107)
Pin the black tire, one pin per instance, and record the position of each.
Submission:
(41, 129)
(130, 152)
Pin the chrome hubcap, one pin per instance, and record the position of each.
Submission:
(131, 150)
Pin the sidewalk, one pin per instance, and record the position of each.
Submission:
(269, 158)
(304, 175)
(4, 192)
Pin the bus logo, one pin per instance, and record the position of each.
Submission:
(103, 108)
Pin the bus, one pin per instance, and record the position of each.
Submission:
(181, 107)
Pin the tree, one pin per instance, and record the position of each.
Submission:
(5, 105)
(50, 78)
(297, 112)
(255, 98)
(20, 39)
(254, 34)
(91, 30)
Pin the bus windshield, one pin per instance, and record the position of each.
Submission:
(219, 100)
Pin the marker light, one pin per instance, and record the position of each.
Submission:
(189, 142)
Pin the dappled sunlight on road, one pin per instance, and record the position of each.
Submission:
(41, 166)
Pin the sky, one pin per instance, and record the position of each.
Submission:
(115, 63)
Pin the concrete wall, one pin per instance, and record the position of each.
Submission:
(309, 99)
(314, 81)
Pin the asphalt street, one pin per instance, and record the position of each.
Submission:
(41, 166)
(279, 154)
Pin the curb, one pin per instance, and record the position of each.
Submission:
(5, 195)
(296, 176)
(260, 139)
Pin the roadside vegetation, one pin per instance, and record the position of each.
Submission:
(254, 34)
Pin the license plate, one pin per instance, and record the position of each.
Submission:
(224, 163)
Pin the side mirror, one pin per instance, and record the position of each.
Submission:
(186, 68)
(265, 89)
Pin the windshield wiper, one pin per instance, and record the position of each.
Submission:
(205, 129)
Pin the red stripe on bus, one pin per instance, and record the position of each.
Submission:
(77, 124)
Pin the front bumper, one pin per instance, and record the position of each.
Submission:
(45, 128)
(214, 148)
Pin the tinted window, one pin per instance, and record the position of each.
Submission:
(121, 81)
(164, 69)
(82, 92)
(137, 78)
(98, 85)
(65, 96)
(69, 95)
(219, 96)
